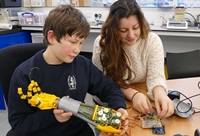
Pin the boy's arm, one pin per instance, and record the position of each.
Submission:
(105, 89)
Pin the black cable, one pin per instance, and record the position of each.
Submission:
(163, 19)
(198, 85)
(188, 20)
(196, 112)
(195, 21)
(186, 98)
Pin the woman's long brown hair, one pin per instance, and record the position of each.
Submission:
(113, 58)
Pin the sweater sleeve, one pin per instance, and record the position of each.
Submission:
(155, 66)
(96, 54)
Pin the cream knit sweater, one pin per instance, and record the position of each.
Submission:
(147, 61)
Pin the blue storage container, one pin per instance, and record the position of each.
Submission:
(2, 103)
(15, 38)
(9, 40)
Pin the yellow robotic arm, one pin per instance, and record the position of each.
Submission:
(105, 119)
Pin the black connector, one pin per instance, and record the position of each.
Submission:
(173, 94)
(96, 15)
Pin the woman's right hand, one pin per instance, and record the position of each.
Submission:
(62, 116)
(141, 103)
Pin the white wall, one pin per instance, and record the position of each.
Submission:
(180, 44)
(171, 43)
(151, 14)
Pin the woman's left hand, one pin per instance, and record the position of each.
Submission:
(164, 105)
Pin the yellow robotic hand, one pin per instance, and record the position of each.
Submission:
(40, 99)
(105, 119)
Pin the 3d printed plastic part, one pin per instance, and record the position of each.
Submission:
(183, 109)
(105, 119)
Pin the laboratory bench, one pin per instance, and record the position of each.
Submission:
(173, 40)
(160, 30)
(190, 32)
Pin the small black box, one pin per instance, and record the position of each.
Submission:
(173, 94)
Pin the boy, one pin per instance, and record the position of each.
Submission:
(61, 71)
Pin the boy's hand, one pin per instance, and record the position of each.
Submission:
(125, 123)
(62, 116)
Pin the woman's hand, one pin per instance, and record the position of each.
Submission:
(62, 116)
(141, 103)
(164, 105)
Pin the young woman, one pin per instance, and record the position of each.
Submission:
(128, 53)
